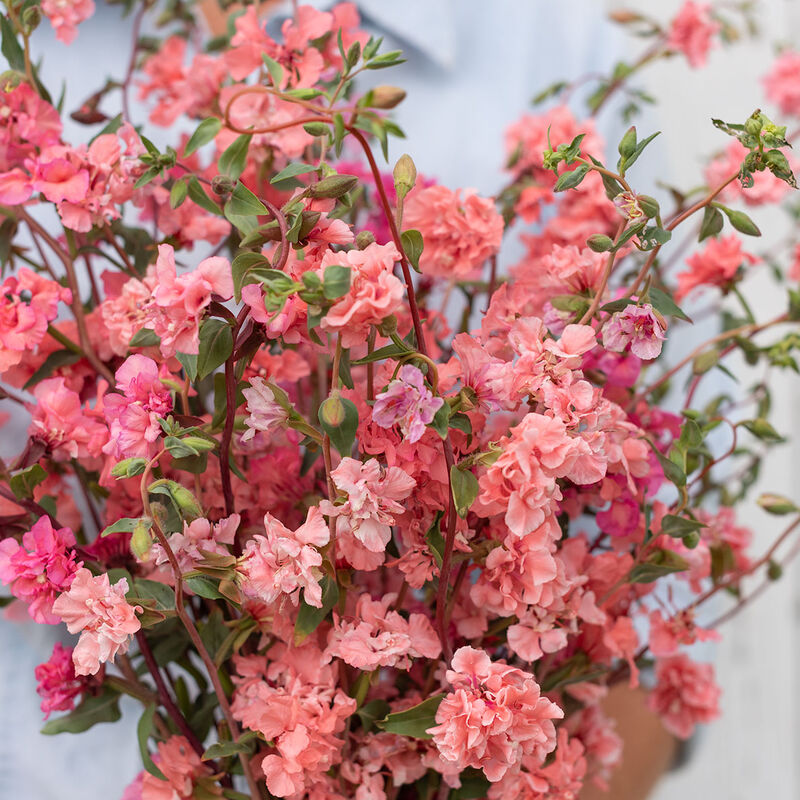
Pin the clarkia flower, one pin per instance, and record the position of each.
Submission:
(408, 403)
(641, 327)
(265, 413)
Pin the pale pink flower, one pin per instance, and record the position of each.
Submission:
(285, 561)
(493, 717)
(460, 232)
(407, 402)
(103, 617)
(179, 301)
(123, 310)
(666, 635)
(58, 685)
(692, 32)
(782, 82)
(377, 637)
(685, 694)
(198, 536)
(133, 413)
(715, 265)
(28, 302)
(66, 15)
(639, 326)
(61, 424)
(375, 293)
(39, 568)
(182, 767)
(28, 124)
(371, 502)
(265, 413)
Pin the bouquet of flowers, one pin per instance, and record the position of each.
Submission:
(352, 511)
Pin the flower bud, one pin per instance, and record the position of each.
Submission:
(774, 571)
(387, 96)
(222, 185)
(753, 125)
(31, 17)
(199, 443)
(364, 239)
(185, 500)
(388, 325)
(333, 187)
(141, 540)
(600, 243)
(691, 540)
(627, 144)
(405, 175)
(649, 205)
(332, 411)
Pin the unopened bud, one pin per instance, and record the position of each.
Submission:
(600, 243)
(199, 443)
(185, 500)
(333, 187)
(332, 411)
(649, 205)
(691, 540)
(774, 571)
(405, 175)
(628, 142)
(387, 96)
(222, 185)
(364, 239)
(753, 125)
(31, 17)
(141, 540)
(388, 326)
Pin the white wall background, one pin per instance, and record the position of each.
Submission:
(752, 751)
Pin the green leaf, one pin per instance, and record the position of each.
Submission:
(435, 539)
(245, 270)
(23, 483)
(712, 223)
(232, 162)
(672, 472)
(389, 351)
(94, 709)
(56, 360)
(413, 721)
(335, 282)
(216, 345)
(246, 744)
(678, 527)
(629, 160)
(124, 525)
(163, 595)
(204, 586)
(143, 731)
(243, 202)
(178, 448)
(292, 171)
(274, 68)
(474, 786)
(11, 48)
(441, 420)
(178, 193)
(203, 134)
(198, 196)
(465, 489)
(571, 179)
(371, 712)
(145, 337)
(658, 563)
(189, 363)
(413, 246)
(390, 59)
(663, 303)
(339, 419)
(310, 617)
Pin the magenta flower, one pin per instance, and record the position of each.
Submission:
(640, 326)
(58, 685)
(406, 402)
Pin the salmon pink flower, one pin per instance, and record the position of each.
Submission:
(66, 15)
(407, 402)
(103, 617)
(692, 31)
(198, 535)
(371, 503)
(493, 717)
(28, 303)
(685, 694)
(285, 561)
(183, 769)
(378, 637)
(715, 265)
(782, 82)
(375, 293)
(133, 414)
(39, 568)
(460, 231)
